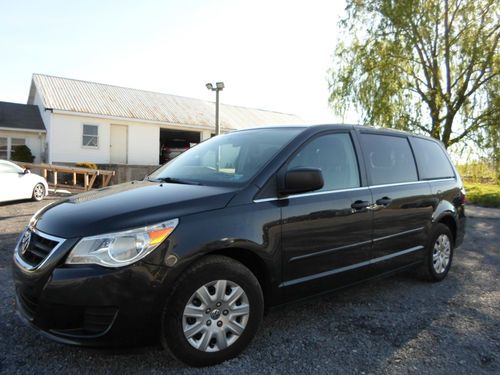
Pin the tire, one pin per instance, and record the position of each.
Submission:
(439, 254)
(38, 192)
(185, 332)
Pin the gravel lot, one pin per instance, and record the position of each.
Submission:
(393, 326)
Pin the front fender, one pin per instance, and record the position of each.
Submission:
(241, 232)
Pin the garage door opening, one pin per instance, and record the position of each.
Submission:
(175, 142)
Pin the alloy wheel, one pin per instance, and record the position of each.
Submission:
(38, 192)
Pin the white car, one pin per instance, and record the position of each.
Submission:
(19, 183)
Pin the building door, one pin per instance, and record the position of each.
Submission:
(118, 144)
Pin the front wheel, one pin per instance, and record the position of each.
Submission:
(38, 192)
(213, 313)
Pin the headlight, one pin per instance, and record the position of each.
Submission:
(122, 248)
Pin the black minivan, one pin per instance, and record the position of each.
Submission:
(241, 222)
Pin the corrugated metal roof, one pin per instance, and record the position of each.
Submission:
(96, 98)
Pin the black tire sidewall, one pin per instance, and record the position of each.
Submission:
(172, 335)
(437, 231)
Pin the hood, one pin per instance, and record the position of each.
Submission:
(127, 206)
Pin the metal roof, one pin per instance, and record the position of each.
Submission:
(101, 99)
(20, 116)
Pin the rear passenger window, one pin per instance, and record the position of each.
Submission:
(334, 155)
(431, 160)
(389, 159)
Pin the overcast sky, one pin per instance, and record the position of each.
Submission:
(270, 54)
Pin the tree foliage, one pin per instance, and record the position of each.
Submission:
(430, 66)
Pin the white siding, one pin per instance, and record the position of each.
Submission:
(143, 144)
(66, 140)
(46, 117)
(43, 113)
(205, 135)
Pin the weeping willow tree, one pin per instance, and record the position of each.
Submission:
(427, 66)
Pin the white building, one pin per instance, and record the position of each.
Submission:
(104, 124)
(21, 124)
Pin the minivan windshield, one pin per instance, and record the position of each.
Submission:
(229, 159)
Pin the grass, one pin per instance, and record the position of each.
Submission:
(487, 195)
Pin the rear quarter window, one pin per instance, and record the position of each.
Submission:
(389, 159)
(431, 160)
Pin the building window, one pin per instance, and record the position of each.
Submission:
(16, 142)
(4, 148)
(8, 144)
(90, 136)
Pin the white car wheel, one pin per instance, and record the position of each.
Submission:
(38, 192)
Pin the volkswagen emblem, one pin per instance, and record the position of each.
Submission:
(215, 314)
(25, 241)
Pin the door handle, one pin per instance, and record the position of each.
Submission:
(385, 201)
(359, 205)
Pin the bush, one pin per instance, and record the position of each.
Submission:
(22, 153)
(483, 194)
(479, 172)
(86, 165)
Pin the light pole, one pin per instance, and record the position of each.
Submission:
(219, 86)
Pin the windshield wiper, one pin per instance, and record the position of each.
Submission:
(173, 180)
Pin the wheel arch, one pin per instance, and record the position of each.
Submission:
(449, 220)
(254, 263)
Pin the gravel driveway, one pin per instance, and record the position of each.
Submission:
(394, 326)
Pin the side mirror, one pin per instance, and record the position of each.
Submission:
(26, 171)
(301, 180)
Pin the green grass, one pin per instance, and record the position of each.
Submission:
(483, 194)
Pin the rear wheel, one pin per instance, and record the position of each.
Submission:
(214, 312)
(38, 192)
(439, 254)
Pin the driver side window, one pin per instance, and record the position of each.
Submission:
(334, 155)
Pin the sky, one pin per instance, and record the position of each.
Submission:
(270, 54)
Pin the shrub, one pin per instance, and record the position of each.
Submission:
(86, 164)
(22, 153)
(483, 194)
(479, 172)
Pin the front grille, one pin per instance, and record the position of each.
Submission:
(38, 249)
(98, 319)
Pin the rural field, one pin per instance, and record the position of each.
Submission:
(398, 325)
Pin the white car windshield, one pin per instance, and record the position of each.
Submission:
(8, 167)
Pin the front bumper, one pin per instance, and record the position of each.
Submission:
(91, 305)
